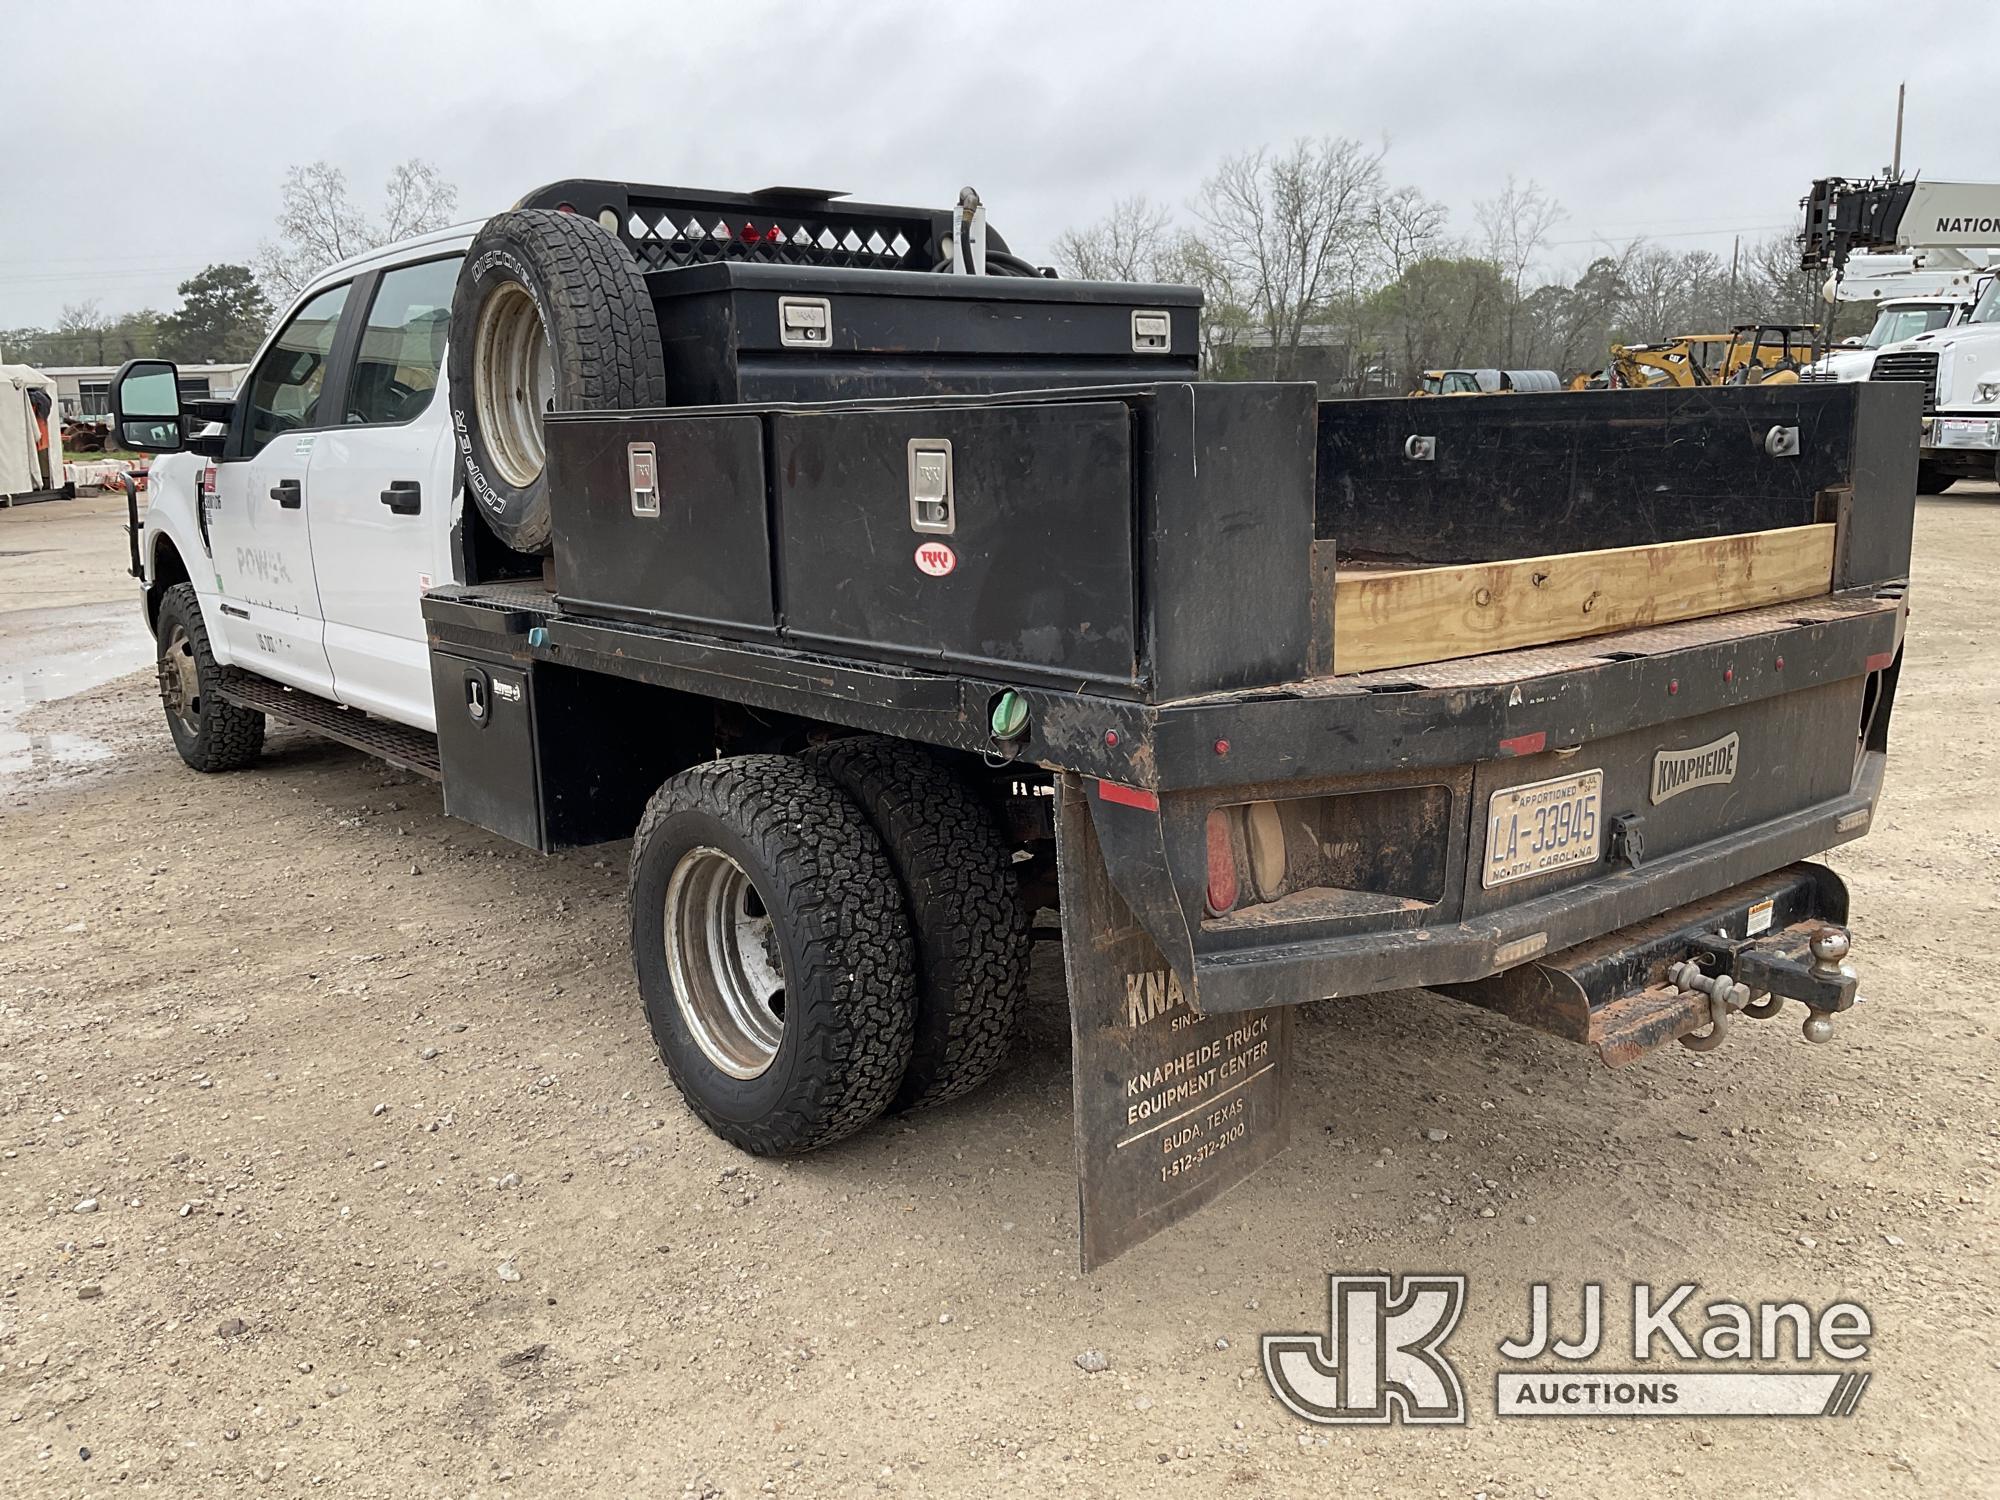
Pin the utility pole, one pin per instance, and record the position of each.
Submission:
(1896, 161)
(1735, 249)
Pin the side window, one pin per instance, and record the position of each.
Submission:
(402, 344)
(285, 391)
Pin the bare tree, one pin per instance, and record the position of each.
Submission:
(1131, 243)
(319, 223)
(1285, 232)
(1516, 224)
(418, 200)
(1408, 228)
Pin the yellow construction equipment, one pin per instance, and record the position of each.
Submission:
(1486, 382)
(1750, 354)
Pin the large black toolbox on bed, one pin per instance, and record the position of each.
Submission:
(1141, 541)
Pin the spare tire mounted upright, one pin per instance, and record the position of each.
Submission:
(551, 314)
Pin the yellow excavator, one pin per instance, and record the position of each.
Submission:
(1750, 354)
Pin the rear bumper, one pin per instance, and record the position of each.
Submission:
(1618, 993)
(1364, 963)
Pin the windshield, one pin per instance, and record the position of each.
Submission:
(1894, 324)
(1988, 310)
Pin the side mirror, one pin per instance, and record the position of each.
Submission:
(146, 406)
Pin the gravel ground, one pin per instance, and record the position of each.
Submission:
(336, 1156)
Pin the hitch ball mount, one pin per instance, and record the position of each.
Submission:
(1756, 977)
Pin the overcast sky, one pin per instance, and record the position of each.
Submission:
(1682, 122)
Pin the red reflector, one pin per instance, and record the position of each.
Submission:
(1221, 865)
(565, 208)
(1130, 796)
(1880, 661)
(1526, 744)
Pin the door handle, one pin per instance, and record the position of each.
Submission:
(288, 494)
(404, 496)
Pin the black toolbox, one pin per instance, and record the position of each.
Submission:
(739, 330)
(1151, 542)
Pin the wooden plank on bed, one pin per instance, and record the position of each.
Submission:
(1401, 617)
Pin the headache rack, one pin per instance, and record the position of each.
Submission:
(672, 227)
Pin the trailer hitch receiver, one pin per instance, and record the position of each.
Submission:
(1771, 970)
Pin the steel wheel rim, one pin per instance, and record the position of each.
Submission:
(724, 964)
(514, 382)
(180, 679)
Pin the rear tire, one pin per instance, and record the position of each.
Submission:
(211, 733)
(965, 911)
(550, 314)
(772, 952)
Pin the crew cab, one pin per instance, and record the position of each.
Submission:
(343, 402)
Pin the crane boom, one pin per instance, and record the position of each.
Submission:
(1944, 220)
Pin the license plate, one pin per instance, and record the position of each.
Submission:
(1966, 432)
(1544, 826)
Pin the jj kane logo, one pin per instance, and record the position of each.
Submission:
(1382, 1359)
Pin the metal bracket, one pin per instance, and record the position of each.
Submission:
(933, 504)
(1782, 442)
(1422, 447)
(1628, 839)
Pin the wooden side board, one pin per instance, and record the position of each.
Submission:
(1402, 617)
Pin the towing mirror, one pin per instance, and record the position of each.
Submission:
(146, 406)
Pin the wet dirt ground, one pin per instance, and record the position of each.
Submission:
(391, 1197)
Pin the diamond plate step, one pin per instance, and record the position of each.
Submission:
(398, 744)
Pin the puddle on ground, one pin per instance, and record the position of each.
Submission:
(50, 654)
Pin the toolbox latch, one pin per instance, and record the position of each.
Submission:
(805, 322)
(643, 464)
(1152, 332)
(933, 508)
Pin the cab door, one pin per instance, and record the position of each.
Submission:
(258, 514)
(381, 493)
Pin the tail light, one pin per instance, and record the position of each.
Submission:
(1223, 887)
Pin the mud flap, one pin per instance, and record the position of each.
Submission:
(1172, 1108)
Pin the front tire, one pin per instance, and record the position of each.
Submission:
(210, 732)
(772, 952)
